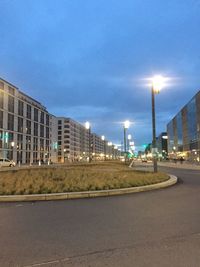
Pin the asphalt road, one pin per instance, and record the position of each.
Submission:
(156, 228)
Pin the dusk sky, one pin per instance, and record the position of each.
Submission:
(88, 59)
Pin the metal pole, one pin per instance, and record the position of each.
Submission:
(125, 143)
(105, 150)
(89, 131)
(155, 167)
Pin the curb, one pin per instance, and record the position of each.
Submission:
(88, 194)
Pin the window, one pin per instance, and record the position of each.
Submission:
(11, 104)
(28, 157)
(1, 85)
(47, 119)
(35, 157)
(11, 122)
(35, 129)
(59, 132)
(35, 114)
(20, 108)
(59, 122)
(1, 99)
(42, 118)
(19, 156)
(35, 144)
(47, 132)
(28, 127)
(41, 130)
(59, 137)
(28, 143)
(1, 119)
(20, 141)
(47, 145)
(59, 127)
(11, 90)
(20, 125)
(41, 144)
(28, 112)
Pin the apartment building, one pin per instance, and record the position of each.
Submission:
(25, 126)
(73, 140)
(184, 132)
(98, 147)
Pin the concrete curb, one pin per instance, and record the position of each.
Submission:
(88, 194)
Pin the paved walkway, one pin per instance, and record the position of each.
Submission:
(149, 166)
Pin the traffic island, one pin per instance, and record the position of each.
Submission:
(78, 181)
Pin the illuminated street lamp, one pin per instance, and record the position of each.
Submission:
(157, 83)
(88, 127)
(104, 145)
(126, 126)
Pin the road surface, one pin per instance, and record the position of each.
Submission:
(156, 228)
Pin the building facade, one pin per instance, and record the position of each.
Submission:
(73, 140)
(25, 126)
(161, 144)
(184, 132)
(76, 143)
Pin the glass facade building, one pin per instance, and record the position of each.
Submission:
(184, 132)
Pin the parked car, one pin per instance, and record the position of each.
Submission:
(6, 163)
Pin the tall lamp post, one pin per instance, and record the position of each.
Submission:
(88, 127)
(156, 86)
(104, 146)
(126, 126)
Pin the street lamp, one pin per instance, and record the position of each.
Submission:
(88, 127)
(126, 126)
(156, 85)
(104, 145)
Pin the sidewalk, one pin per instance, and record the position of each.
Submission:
(184, 165)
(149, 166)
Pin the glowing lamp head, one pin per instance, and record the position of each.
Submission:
(103, 138)
(126, 124)
(158, 83)
(87, 125)
(109, 143)
(129, 136)
(12, 144)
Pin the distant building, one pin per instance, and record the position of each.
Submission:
(29, 134)
(25, 126)
(161, 142)
(73, 140)
(184, 132)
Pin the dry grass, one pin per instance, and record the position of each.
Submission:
(73, 178)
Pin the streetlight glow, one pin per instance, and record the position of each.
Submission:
(103, 138)
(129, 136)
(87, 125)
(158, 82)
(126, 124)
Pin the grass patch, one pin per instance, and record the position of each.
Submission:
(74, 178)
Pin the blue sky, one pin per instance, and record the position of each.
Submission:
(87, 59)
